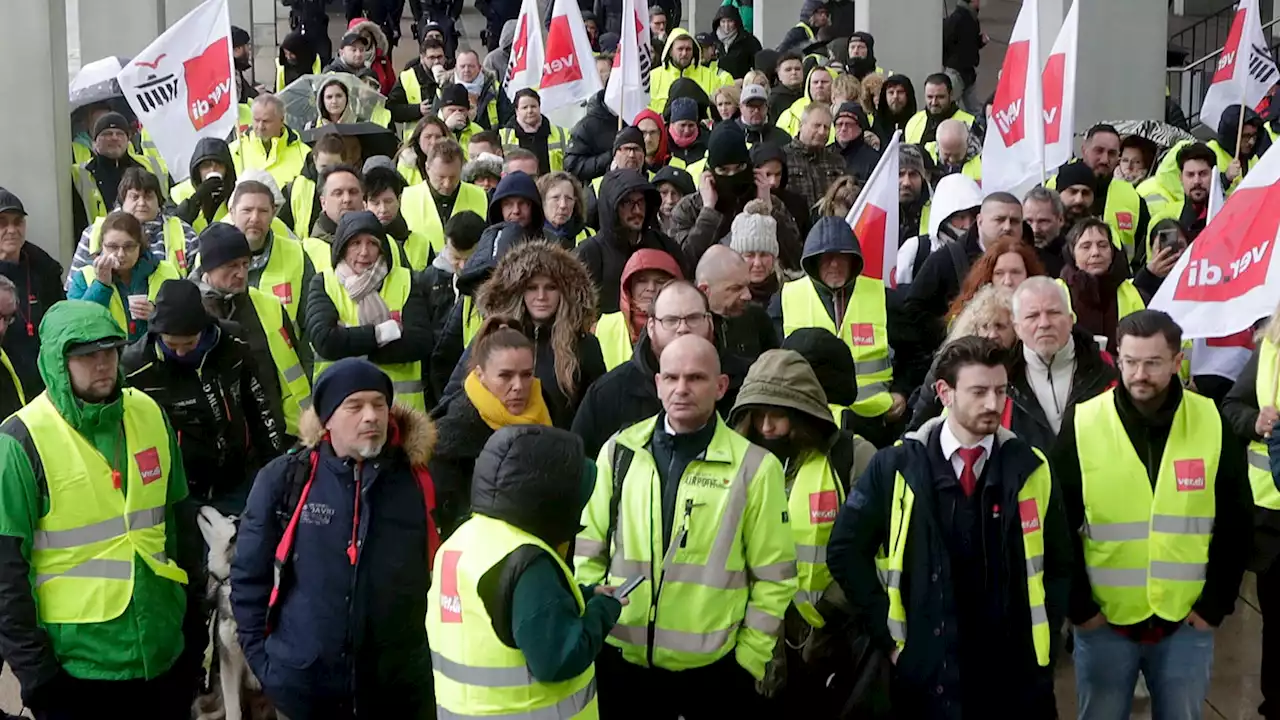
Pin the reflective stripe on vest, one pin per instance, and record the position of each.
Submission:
(94, 206)
(418, 208)
(83, 550)
(13, 375)
(406, 378)
(557, 139)
(1146, 551)
(476, 674)
(1266, 489)
(1121, 214)
(302, 199)
(1033, 499)
(816, 496)
(164, 271)
(864, 331)
(295, 388)
(282, 276)
(615, 339)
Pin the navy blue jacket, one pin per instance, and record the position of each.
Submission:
(343, 635)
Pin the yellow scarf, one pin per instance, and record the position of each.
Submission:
(495, 414)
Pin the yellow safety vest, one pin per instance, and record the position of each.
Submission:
(381, 117)
(1121, 213)
(282, 277)
(583, 236)
(865, 332)
(295, 388)
(85, 548)
(144, 150)
(471, 321)
(175, 242)
(164, 271)
(971, 169)
(95, 206)
(1266, 491)
(557, 140)
(302, 198)
(315, 70)
(1146, 551)
(476, 674)
(184, 190)
(412, 95)
(916, 125)
(284, 161)
(1033, 500)
(1224, 161)
(614, 335)
(412, 176)
(420, 213)
(698, 603)
(13, 375)
(406, 378)
(815, 498)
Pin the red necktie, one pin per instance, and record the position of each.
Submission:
(968, 478)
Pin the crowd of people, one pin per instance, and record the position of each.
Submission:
(611, 420)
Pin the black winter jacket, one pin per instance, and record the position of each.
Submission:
(590, 150)
(37, 280)
(1240, 413)
(962, 41)
(982, 662)
(460, 436)
(398, 101)
(739, 57)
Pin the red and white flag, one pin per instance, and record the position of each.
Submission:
(182, 87)
(1013, 155)
(627, 94)
(1229, 277)
(1245, 70)
(874, 217)
(569, 72)
(524, 68)
(1059, 84)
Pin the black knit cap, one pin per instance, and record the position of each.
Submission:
(628, 136)
(112, 121)
(343, 379)
(179, 309)
(239, 37)
(455, 96)
(1075, 173)
(221, 243)
(727, 146)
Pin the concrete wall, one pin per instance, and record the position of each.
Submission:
(1121, 74)
(908, 36)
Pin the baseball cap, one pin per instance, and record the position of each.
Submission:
(352, 38)
(10, 203)
(93, 346)
(753, 93)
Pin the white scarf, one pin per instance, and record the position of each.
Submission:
(363, 289)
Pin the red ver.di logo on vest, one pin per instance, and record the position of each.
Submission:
(823, 507)
(450, 601)
(862, 334)
(1189, 474)
(148, 465)
(1030, 515)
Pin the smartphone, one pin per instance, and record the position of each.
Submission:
(1171, 238)
(626, 587)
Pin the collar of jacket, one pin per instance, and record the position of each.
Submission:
(1160, 420)
(1017, 460)
(1092, 375)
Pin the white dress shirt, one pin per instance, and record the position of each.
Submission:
(950, 444)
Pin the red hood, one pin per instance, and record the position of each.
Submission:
(646, 259)
(661, 157)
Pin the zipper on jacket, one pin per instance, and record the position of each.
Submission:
(677, 542)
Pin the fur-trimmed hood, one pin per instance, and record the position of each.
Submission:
(371, 27)
(410, 430)
(503, 292)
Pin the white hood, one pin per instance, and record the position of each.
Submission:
(954, 193)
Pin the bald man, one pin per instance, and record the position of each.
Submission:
(951, 153)
(742, 326)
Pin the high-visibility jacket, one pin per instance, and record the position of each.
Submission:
(723, 580)
(381, 117)
(13, 375)
(411, 174)
(284, 161)
(144, 150)
(971, 169)
(315, 70)
(295, 388)
(1121, 213)
(1033, 501)
(471, 321)
(815, 497)
(302, 200)
(164, 271)
(406, 378)
(1266, 491)
(84, 549)
(476, 674)
(421, 215)
(1147, 551)
(1128, 299)
(557, 141)
(614, 335)
(412, 95)
(282, 276)
(865, 331)
(95, 206)
(175, 242)
(916, 125)
(1224, 161)
(184, 190)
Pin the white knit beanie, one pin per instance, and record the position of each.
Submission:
(754, 230)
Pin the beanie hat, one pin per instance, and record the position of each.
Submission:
(628, 136)
(112, 121)
(179, 308)
(239, 37)
(377, 161)
(684, 109)
(1074, 173)
(754, 230)
(910, 158)
(455, 96)
(221, 243)
(727, 146)
(343, 379)
(831, 362)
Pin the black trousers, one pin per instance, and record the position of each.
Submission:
(167, 697)
(720, 690)
(1269, 604)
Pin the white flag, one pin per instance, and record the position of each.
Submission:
(524, 68)
(569, 72)
(1217, 196)
(182, 87)
(874, 217)
(628, 91)
(1013, 151)
(1059, 84)
(1245, 70)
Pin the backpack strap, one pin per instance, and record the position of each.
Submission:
(298, 481)
(959, 261)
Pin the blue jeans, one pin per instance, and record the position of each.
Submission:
(1176, 668)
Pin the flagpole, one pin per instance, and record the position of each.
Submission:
(1244, 90)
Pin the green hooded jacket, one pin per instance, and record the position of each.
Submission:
(145, 640)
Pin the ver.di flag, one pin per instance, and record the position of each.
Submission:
(524, 68)
(569, 71)
(181, 86)
(1059, 84)
(1229, 278)
(874, 217)
(1245, 70)
(627, 94)
(1013, 150)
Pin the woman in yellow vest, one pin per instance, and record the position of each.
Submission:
(645, 273)
(535, 132)
(124, 277)
(412, 162)
(524, 646)
(1097, 280)
(366, 306)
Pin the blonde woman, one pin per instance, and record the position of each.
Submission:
(756, 77)
(726, 101)
(840, 197)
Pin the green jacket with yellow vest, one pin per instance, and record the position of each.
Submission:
(1194, 499)
(59, 509)
(894, 553)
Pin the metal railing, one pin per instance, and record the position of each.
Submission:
(1189, 84)
(1206, 35)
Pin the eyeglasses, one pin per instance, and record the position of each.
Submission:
(694, 322)
(129, 247)
(635, 203)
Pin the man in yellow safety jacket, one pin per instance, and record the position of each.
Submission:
(1195, 165)
(939, 105)
(814, 15)
(681, 58)
(954, 547)
(427, 206)
(700, 514)
(95, 182)
(92, 483)
(1157, 485)
(270, 145)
